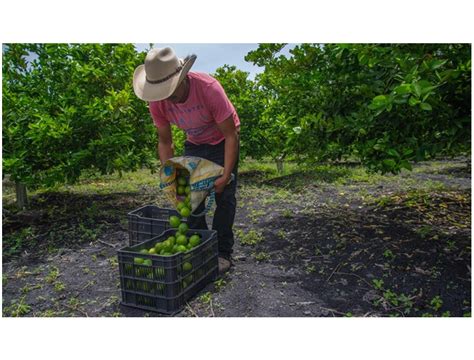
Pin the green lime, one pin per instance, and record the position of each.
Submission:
(195, 240)
(138, 260)
(182, 240)
(158, 247)
(182, 180)
(152, 251)
(182, 248)
(183, 228)
(180, 190)
(180, 206)
(185, 212)
(187, 266)
(187, 190)
(172, 240)
(147, 262)
(166, 245)
(174, 221)
(160, 272)
(128, 268)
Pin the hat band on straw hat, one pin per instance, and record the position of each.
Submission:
(187, 59)
(165, 78)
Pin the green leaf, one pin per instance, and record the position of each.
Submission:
(393, 152)
(426, 106)
(413, 101)
(380, 101)
(390, 163)
(416, 89)
(407, 152)
(402, 89)
(363, 59)
(436, 64)
(406, 165)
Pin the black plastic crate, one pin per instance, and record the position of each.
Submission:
(147, 222)
(166, 284)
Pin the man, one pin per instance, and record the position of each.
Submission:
(196, 103)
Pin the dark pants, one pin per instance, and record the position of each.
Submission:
(225, 201)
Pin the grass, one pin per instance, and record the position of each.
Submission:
(17, 308)
(261, 256)
(251, 237)
(90, 183)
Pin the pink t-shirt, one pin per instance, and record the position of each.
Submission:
(207, 105)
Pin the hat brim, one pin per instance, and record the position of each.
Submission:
(156, 92)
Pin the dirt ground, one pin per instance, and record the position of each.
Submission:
(305, 246)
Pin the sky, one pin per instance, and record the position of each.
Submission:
(211, 56)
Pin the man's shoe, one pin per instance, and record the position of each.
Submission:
(224, 265)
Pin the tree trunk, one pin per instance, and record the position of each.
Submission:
(21, 196)
(279, 164)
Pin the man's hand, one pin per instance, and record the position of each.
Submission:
(220, 184)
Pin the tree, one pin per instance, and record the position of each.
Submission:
(385, 104)
(247, 99)
(71, 107)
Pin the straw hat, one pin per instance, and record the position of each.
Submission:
(161, 74)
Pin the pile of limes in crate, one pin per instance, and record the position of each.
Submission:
(179, 242)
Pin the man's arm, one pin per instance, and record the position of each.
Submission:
(165, 143)
(227, 127)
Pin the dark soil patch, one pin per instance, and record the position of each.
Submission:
(379, 261)
(56, 220)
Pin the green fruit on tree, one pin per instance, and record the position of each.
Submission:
(174, 221)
